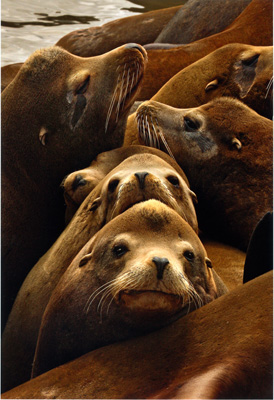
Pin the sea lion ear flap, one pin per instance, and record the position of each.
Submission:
(194, 197)
(236, 143)
(84, 260)
(212, 85)
(96, 203)
(208, 262)
(43, 135)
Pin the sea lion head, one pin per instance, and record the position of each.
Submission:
(138, 178)
(142, 270)
(223, 129)
(71, 108)
(246, 72)
(160, 265)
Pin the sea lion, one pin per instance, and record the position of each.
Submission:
(253, 26)
(235, 70)
(221, 350)
(190, 23)
(139, 177)
(225, 149)
(80, 183)
(142, 270)
(141, 28)
(50, 127)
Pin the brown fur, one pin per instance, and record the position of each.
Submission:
(20, 335)
(141, 28)
(47, 133)
(147, 230)
(227, 261)
(222, 350)
(253, 26)
(224, 73)
(191, 22)
(79, 184)
(227, 158)
(8, 72)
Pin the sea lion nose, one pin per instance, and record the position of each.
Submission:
(78, 181)
(141, 176)
(137, 47)
(160, 263)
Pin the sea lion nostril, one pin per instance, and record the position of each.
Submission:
(141, 176)
(160, 263)
(78, 181)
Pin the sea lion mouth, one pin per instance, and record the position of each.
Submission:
(150, 300)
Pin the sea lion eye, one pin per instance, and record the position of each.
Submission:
(191, 125)
(83, 87)
(251, 61)
(113, 185)
(189, 255)
(120, 250)
(173, 180)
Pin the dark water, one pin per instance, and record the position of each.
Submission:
(28, 25)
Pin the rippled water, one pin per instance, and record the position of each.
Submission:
(28, 25)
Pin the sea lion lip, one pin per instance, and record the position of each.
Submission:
(134, 292)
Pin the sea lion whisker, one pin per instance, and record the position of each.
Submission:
(132, 81)
(157, 144)
(270, 83)
(164, 140)
(147, 124)
(94, 294)
(111, 104)
(120, 95)
(126, 89)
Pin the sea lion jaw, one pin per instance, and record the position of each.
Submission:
(169, 129)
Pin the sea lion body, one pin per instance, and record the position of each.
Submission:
(253, 26)
(51, 126)
(139, 272)
(225, 149)
(221, 350)
(235, 70)
(190, 23)
(120, 189)
(141, 28)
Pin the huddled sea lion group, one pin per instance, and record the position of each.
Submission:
(134, 235)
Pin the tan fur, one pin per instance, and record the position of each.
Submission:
(227, 157)
(253, 26)
(79, 184)
(221, 73)
(99, 207)
(50, 128)
(141, 271)
(222, 350)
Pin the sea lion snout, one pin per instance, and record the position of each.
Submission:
(160, 263)
(141, 176)
(137, 47)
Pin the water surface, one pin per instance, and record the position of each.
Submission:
(28, 25)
